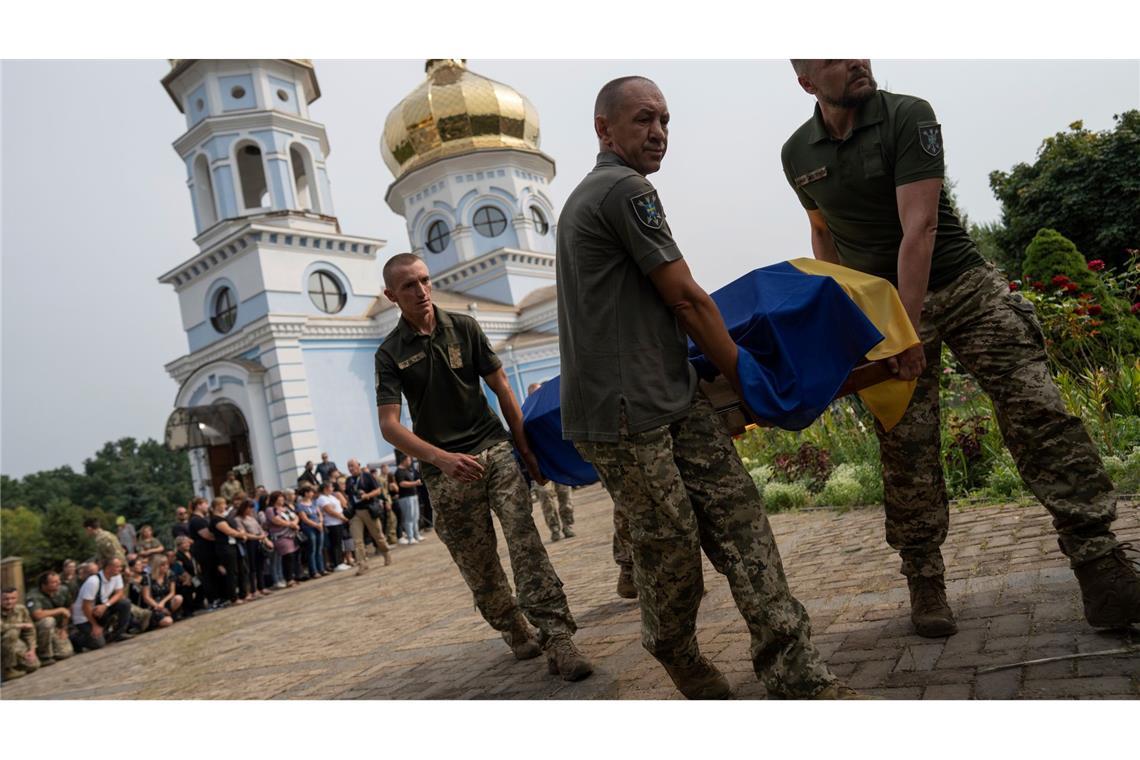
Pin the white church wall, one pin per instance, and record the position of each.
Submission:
(342, 389)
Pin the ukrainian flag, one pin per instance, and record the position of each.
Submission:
(802, 326)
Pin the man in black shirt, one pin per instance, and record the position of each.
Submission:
(326, 467)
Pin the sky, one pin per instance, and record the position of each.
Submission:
(94, 204)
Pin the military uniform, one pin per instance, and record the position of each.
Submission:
(107, 546)
(52, 642)
(554, 499)
(440, 376)
(630, 405)
(994, 333)
(18, 638)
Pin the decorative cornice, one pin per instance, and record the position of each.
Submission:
(508, 258)
(250, 236)
(248, 120)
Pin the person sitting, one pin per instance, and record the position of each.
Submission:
(134, 578)
(18, 637)
(101, 604)
(148, 544)
(49, 605)
(159, 595)
(187, 576)
(68, 578)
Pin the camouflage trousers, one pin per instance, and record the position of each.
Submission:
(995, 335)
(52, 641)
(13, 648)
(558, 518)
(681, 488)
(463, 523)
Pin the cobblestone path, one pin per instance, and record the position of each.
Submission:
(410, 631)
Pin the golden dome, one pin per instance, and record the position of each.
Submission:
(455, 111)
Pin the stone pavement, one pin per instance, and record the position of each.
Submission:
(410, 631)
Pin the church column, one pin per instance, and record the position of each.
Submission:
(291, 423)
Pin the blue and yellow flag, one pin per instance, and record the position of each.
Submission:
(801, 326)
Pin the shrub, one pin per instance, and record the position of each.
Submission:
(1125, 471)
(1003, 481)
(761, 475)
(780, 497)
(809, 464)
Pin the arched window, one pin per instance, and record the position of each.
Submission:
(251, 174)
(325, 292)
(489, 221)
(438, 236)
(302, 179)
(541, 226)
(223, 313)
(204, 192)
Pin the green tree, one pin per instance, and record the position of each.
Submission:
(1083, 184)
(63, 532)
(21, 535)
(39, 489)
(142, 482)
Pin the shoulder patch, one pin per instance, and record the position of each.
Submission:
(812, 176)
(647, 208)
(930, 137)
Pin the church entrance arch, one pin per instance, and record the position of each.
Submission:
(217, 437)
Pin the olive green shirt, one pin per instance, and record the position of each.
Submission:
(38, 601)
(13, 620)
(107, 546)
(440, 376)
(622, 349)
(896, 140)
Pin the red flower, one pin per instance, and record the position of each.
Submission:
(1095, 309)
(1013, 285)
(1037, 285)
(1060, 279)
(1095, 323)
(1085, 296)
(1096, 265)
(1081, 311)
(1136, 308)
(1072, 287)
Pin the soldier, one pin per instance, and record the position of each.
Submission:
(106, 543)
(49, 606)
(630, 404)
(436, 359)
(560, 521)
(18, 647)
(868, 167)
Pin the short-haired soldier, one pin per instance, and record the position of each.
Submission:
(868, 167)
(630, 403)
(436, 360)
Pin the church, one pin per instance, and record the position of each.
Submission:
(283, 311)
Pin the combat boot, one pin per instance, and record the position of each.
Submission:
(566, 532)
(625, 587)
(387, 558)
(555, 535)
(701, 680)
(1110, 589)
(929, 610)
(521, 641)
(563, 658)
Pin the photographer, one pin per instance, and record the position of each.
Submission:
(366, 506)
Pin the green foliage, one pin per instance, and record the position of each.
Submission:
(761, 476)
(1082, 183)
(1050, 254)
(142, 482)
(1125, 470)
(21, 534)
(780, 497)
(1003, 481)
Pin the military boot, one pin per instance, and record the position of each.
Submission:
(520, 639)
(1110, 589)
(625, 587)
(929, 610)
(563, 658)
(566, 532)
(555, 535)
(701, 680)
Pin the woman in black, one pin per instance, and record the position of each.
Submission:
(203, 551)
(226, 539)
(187, 577)
(159, 594)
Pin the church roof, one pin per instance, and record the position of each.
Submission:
(179, 66)
(455, 111)
(535, 297)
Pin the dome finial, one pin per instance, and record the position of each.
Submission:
(434, 63)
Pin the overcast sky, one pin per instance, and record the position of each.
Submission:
(95, 204)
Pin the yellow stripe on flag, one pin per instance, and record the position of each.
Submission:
(880, 302)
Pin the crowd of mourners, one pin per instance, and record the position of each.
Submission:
(228, 551)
